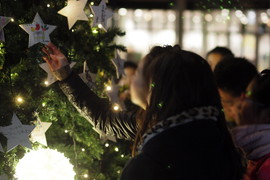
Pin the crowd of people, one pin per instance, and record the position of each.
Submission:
(196, 118)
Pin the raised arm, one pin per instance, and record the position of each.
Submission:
(95, 109)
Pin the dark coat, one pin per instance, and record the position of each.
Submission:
(192, 151)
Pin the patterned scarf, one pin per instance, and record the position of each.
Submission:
(253, 139)
(194, 114)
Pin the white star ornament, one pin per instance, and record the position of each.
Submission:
(38, 31)
(74, 12)
(17, 133)
(101, 15)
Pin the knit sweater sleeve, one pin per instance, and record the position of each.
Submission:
(98, 110)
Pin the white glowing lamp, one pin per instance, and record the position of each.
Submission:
(44, 164)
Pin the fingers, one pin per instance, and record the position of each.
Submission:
(54, 49)
(47, 59)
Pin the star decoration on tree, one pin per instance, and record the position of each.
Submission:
(50, 77)
(74, 12)
(38, 31)
(38, 134)
(17, 133)
(119, 65)
(101, 15)
(3, 22)
(87, 76)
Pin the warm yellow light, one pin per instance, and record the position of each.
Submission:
(107, 145)
(122, 155)
(116, 107)
(85, 175)
(116, 149)
(66, 131)
(83, 149)
(19, 99)
(100, 26)
(95, 31)
(46, 83)
(43, 104)
(108, 88)
(12, 20)
(91, 15)
(48, 5)
(44, 164)
(92, 3)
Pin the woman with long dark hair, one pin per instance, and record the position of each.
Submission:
(180, 131)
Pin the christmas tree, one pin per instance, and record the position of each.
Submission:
(25, 93)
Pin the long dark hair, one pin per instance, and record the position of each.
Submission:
(178, 80)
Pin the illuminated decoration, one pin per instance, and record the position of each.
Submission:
(74, 12)
(17, 133)
(38, 134)
(122, 155)
(107, 145)
(119, 65)
(116, 107)
(44, 164)
(85, 175)
(38, 31)
(3, 22)
(108, 88)
(101, 15)
(87, 76)
(50, 77)
(116, 149)
(19, 99)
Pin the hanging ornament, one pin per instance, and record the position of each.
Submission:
(101, 15)
(88, 77)
(38, 134)
(38, 31)
(50, 78)
(119, 65)
(17, 133)
(3, 22)
(74, 12)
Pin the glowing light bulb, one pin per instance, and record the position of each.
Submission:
(83, 149)
(91, 15)
(92, 3)
(116, 107)
(43, 104)
(19, 99)
(108, 88)
(12, 20)
(46, 83)
(85, 175)
(48, 5)
(122, 155)
(116, 149)
(107, 145)
(99, 25)
(66, 131)
(95, 31)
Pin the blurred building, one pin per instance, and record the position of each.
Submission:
(242, 26)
